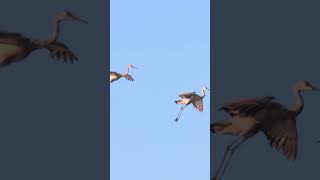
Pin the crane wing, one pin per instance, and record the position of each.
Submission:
(128, 77)
(279, 126)
(247, 107)
(5, 34)
(198, 103)
(113, 73)
(13, 38)
(58, 50)
(187, 95)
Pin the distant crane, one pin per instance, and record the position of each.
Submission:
(191, 98)
(248, 117)
(114, 76)
(14, 47)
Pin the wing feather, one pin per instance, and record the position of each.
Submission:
(187, 95)
(279, 126)
(59, 50)
(247, 107)
(198, 103)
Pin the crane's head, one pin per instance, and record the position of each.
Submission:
(204, 88)
(305, 85)
(67, 15)
(131, 66)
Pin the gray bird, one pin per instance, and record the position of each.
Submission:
(191, 98)
(14, 47)
(114, 76)
(248, 117)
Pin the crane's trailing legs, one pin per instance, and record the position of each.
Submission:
(191, 98)
(180, 112)
(230, 150)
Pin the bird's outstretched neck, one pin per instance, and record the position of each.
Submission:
(127, 72)
(299, 104)
(203, 93)
(52, 38)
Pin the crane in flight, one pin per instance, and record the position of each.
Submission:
(250, 116)
(114, 76)
(191, 98)
(14, 47)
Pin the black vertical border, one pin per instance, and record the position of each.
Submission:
(107, 118)
(215, 55)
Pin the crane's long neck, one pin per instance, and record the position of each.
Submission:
(299, 104)
(53, 37)
(203, 93)
(127, 72)
(56, 31)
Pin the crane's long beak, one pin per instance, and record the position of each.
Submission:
(76, 18)
(134, 67)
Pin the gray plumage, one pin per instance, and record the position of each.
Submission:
(248, 117)
(114, 76)
(191, 98)
(14, 47)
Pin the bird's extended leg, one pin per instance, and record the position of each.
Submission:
(232, 150)
(226, 153)
(180, 112)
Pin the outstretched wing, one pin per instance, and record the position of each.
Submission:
(59, 50)
(4, 34)
(128, 77)
(198, 103)
(113, 73)
(279, 126)
(187, 95)
(13, 38)
(247, 107)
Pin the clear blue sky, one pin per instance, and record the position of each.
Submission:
(168, 40)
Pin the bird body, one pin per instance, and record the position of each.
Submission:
(191, 98)
(14, 47)
(277, 122)
(114, 76)
(11, 53)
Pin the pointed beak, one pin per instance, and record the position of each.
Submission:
(76, 18)
(134, 67)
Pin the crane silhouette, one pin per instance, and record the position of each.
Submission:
(191, 98)
(14, 47)
(114, 76)
(248, 117)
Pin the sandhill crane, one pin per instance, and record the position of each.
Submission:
(114, 76)
(14, 47)
(248, 117)
(191, 97)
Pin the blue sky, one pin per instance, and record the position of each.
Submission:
(169, 42)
